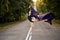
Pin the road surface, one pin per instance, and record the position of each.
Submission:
(37, 31)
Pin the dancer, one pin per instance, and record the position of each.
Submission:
(49, 16)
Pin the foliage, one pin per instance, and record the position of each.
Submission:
(54, 6)
(50, 6)
(12, 10)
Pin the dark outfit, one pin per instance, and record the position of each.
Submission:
(49, 16)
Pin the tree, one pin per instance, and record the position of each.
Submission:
(12, 10)
(50, 6)
(53, 6)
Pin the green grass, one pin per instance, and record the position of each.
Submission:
(56, 21)
(4, 24)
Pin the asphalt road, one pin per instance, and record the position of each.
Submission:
(37, 31)
(45, 31)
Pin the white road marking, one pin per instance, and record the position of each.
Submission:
(30, 37)
(29, 33)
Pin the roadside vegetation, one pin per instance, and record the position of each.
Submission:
(12, 11)
(50, 6)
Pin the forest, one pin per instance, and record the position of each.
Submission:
(17, 10)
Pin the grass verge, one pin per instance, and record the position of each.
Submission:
(9, 25)
(56, 23)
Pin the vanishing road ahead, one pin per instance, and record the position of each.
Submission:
(38, 31)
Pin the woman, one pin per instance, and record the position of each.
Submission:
(49, 16)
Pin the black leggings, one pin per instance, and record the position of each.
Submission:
(30, 18)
